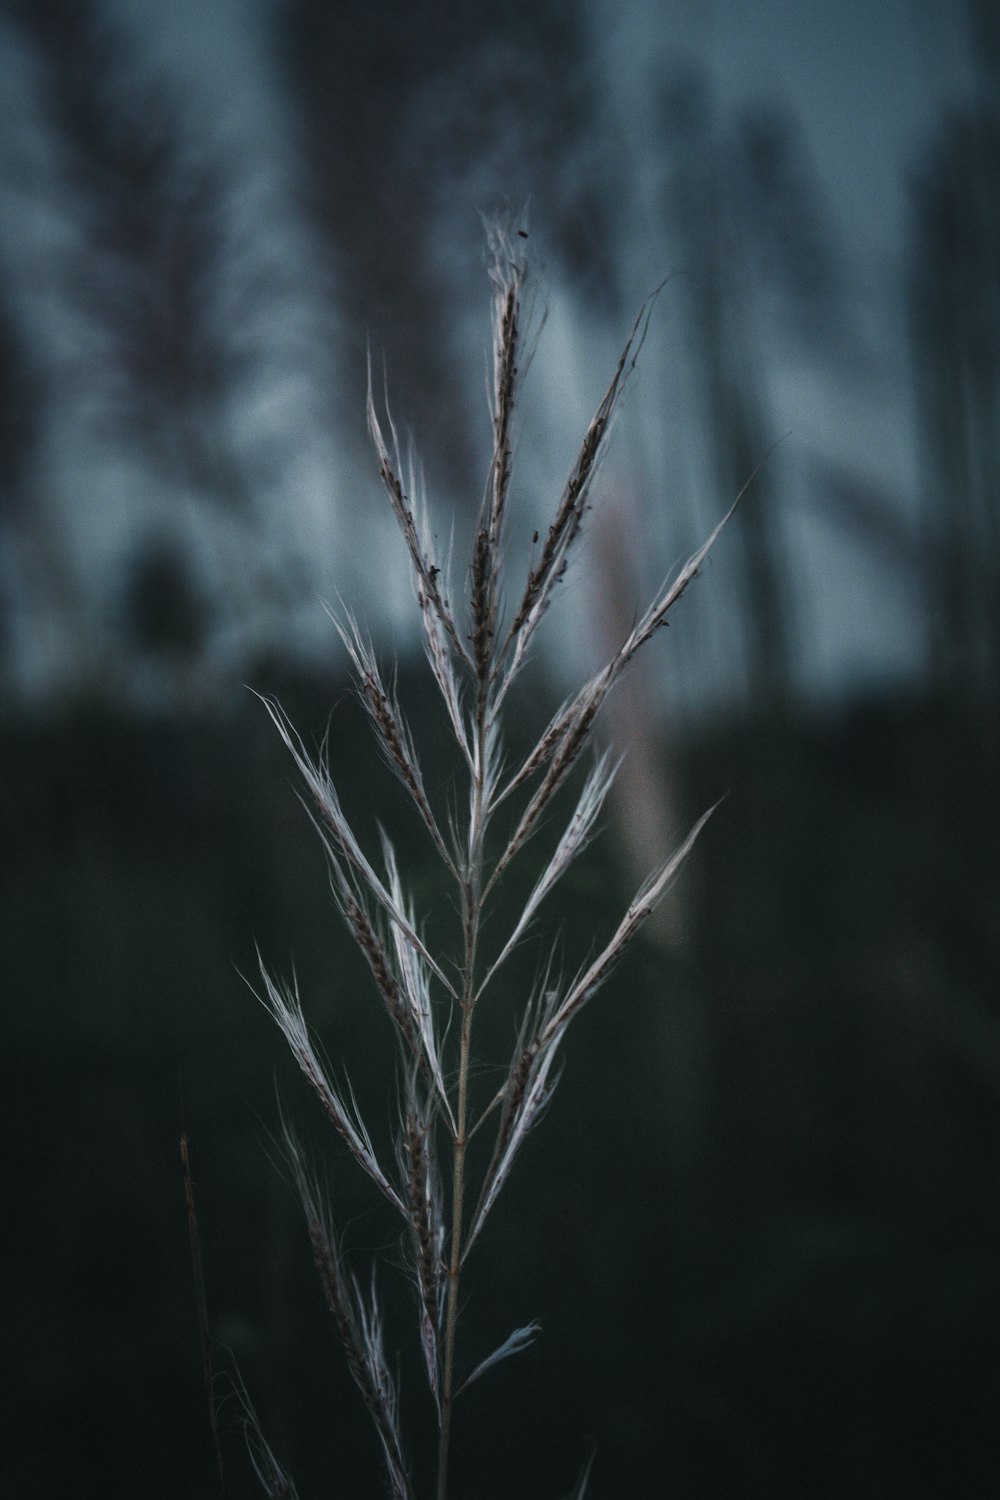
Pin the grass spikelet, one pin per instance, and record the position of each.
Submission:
(443, 1196)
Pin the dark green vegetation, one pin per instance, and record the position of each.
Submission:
(760, 1227)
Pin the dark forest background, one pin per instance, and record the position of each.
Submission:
(761, 1224)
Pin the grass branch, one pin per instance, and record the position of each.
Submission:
(431, 997)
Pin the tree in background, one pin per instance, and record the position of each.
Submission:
(954, 296)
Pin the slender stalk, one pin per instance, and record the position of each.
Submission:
(472, 900)
(455, 1263)
(201, 1302)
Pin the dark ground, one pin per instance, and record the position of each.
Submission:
(761, 1225)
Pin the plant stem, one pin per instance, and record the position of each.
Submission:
(454, 1268)
(472, 901)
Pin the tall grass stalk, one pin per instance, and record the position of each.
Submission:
(475, 652)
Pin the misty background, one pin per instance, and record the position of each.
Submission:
(761, 1224)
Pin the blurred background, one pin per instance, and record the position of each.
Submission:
(761, 1223)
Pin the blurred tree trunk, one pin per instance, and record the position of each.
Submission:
(955, 322)
(728, 370)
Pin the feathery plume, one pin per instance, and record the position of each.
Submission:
(442, 1193)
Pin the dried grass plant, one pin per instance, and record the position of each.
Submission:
(432, 999)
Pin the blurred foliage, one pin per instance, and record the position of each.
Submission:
(760, 1225)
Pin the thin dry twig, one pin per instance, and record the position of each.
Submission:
(201, 1303)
